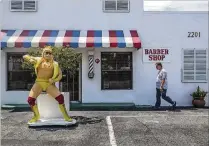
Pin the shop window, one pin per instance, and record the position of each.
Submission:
(116, 70)
(194, 68)
(116, 6)
(18, 78)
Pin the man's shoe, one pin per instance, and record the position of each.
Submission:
(174, 105)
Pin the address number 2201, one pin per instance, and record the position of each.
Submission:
(193, 34)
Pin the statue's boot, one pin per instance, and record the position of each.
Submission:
(64, 113)
(36, 116)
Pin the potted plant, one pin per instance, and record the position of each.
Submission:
(199, 98)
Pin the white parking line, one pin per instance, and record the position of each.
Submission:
(111, 131)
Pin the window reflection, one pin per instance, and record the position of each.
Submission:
(17, 77)
(116, 70)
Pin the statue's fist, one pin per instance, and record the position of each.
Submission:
(51, 81)
(32, 60)
(25, 56)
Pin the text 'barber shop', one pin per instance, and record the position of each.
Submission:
(155, 55)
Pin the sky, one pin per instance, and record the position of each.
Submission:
(176, 5)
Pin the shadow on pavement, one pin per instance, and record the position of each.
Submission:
(79, 119)
(86, 120)
(54, 127)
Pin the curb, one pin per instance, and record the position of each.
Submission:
(111, 107)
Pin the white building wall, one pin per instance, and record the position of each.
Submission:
(1, 15)
(171, 30)
(156, 29)
(73, 14)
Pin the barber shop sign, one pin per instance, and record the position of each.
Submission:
(156, 55)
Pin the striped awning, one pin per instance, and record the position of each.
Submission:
(71, 38)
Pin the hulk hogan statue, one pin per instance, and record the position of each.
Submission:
(48, 72)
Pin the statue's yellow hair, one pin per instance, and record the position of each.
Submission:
(47, 48)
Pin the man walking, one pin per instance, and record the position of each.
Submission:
(161, 87)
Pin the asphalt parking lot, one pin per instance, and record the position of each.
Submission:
(111, 128)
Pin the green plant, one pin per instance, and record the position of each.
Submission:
(199, 94)
(67, 58)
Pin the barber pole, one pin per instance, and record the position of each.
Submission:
(91, 66)
(91, 63)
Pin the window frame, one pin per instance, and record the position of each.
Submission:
(182, 66)
(131, 70)
(116, 11)
(23, 7)
(7, 71)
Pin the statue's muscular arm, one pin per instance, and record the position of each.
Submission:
(30, 59)
(59, 77)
